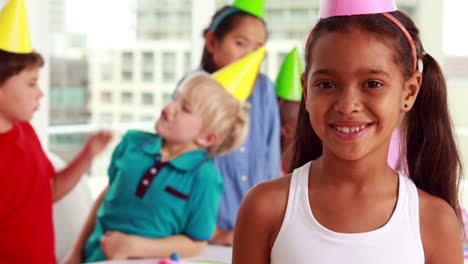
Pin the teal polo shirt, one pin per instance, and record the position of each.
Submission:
(182, 198)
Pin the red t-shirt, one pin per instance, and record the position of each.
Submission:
(26, 225)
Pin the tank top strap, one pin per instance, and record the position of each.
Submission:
(299, 177)
(409, 191)
(299, 181)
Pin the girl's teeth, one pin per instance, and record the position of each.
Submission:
(350, 129)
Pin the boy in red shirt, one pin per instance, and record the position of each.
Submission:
(29, 184)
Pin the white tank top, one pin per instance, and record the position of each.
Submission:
(302, 239)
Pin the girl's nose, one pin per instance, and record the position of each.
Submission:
(243, 54)
(348, 101)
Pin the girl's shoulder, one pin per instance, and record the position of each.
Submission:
(261, 197)
(273, 188)
(438, 222)
(265, 205)
(434, 210)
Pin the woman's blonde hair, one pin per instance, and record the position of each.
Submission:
(222, 114)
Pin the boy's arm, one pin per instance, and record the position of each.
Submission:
(116, 245)
(74, 256)
(66, 179)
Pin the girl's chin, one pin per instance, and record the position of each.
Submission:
(349, 154)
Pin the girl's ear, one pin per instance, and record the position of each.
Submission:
(206, 141)
(304, 89)
(410, 91)
(210, 41)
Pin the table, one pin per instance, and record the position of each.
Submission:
(211, 254)
(215, 254)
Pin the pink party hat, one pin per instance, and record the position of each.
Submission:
(331, 8)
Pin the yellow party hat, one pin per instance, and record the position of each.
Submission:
(239, 77)
(14, 30)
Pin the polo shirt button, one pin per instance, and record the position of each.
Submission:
(242, 149)
(145, 182)
(244, 178)
(153, 171)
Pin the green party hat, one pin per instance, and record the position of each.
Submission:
(288, 82)
(254, 7)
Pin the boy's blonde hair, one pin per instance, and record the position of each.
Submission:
(222, 113)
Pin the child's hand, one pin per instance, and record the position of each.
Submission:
(116, 245)
(96, 143)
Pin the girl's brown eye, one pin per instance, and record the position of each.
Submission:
(240, 43)
(373, 84)
(326, 85)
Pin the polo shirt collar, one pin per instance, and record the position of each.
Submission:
(184, 162)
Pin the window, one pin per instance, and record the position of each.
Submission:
(127, 66)
(147, 76)
(168, 66)
(106, 97)
(106, 118)
(147, 118)
(127, 76)
(147, 99)
(127, 60)
(126, 118)
(106, 71)
(147, 66)
(126, 98)
(74, 97)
